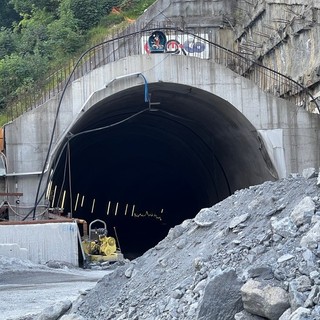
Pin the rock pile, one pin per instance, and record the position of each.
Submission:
(255, 255)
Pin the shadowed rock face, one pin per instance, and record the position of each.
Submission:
(145, 171)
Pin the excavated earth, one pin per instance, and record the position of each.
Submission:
(255, 255)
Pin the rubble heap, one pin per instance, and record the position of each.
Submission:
(255, 255)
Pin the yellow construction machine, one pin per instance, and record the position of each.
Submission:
(98, 246)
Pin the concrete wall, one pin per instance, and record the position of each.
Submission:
(213, 17)
(28, 136)
(40, 243)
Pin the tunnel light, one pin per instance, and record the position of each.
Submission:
(108, 208)
(116, 210)
(54, 196)
(63, 199)
(82, 201)
(49, 190)
(76, 204)
(132, 213)
(125, 212)
(93, 203)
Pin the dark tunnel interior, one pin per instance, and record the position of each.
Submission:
(144, 168)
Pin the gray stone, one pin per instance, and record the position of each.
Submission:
(222, 298)
(176, 294)
(238, 220)
(312, 237)
(309, 258)
(297, 287)
(303, 212)
(264, 300)
(55, 311)
(244, 315)
(309, 173)
(261, 272)
(176, 232)
(286, 315)
(300, 314)
(285, 257)
(200, 286)
(283, 227)
(302, 283)
(314, 276)
(72, 317)
(205, 218)
(182, 243)
(129, 272)
(312, 296)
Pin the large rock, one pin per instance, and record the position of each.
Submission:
(264, 300)
(206, 217)
(238, 220)
(309, 173)
(312, 237)
(222, 298)
(283, 227)
(303, 212)
(297, 289)
(301, 314)
(55, 311)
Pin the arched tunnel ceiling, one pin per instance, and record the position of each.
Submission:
(145, 168)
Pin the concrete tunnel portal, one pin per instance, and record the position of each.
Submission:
(144, 168)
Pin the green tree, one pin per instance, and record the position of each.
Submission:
(18, 74)
(88, 13)
(8, 42)
(32, 31)
(7, 14)
(29, 6)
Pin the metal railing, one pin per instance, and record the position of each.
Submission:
(125, 45)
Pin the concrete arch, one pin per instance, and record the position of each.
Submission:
(201, 144)
(188, 150)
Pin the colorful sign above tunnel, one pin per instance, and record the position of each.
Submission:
(185, 44)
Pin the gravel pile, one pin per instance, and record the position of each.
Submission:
(255, 255)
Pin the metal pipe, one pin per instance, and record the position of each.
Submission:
(16, 174)
(84, 226)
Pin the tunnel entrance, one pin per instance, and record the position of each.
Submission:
(144, 169)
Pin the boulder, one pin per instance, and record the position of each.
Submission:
(222, 298)
(312, 237)
(264, 300)
(303, 212)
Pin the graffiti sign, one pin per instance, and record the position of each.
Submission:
(157, 42)
(176, 44)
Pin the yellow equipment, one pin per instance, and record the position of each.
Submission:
(99, 247)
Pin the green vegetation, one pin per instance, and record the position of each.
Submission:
(39, 36)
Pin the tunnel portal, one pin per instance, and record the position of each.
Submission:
(145, 167)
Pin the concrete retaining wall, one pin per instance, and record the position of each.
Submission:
(40, 243)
